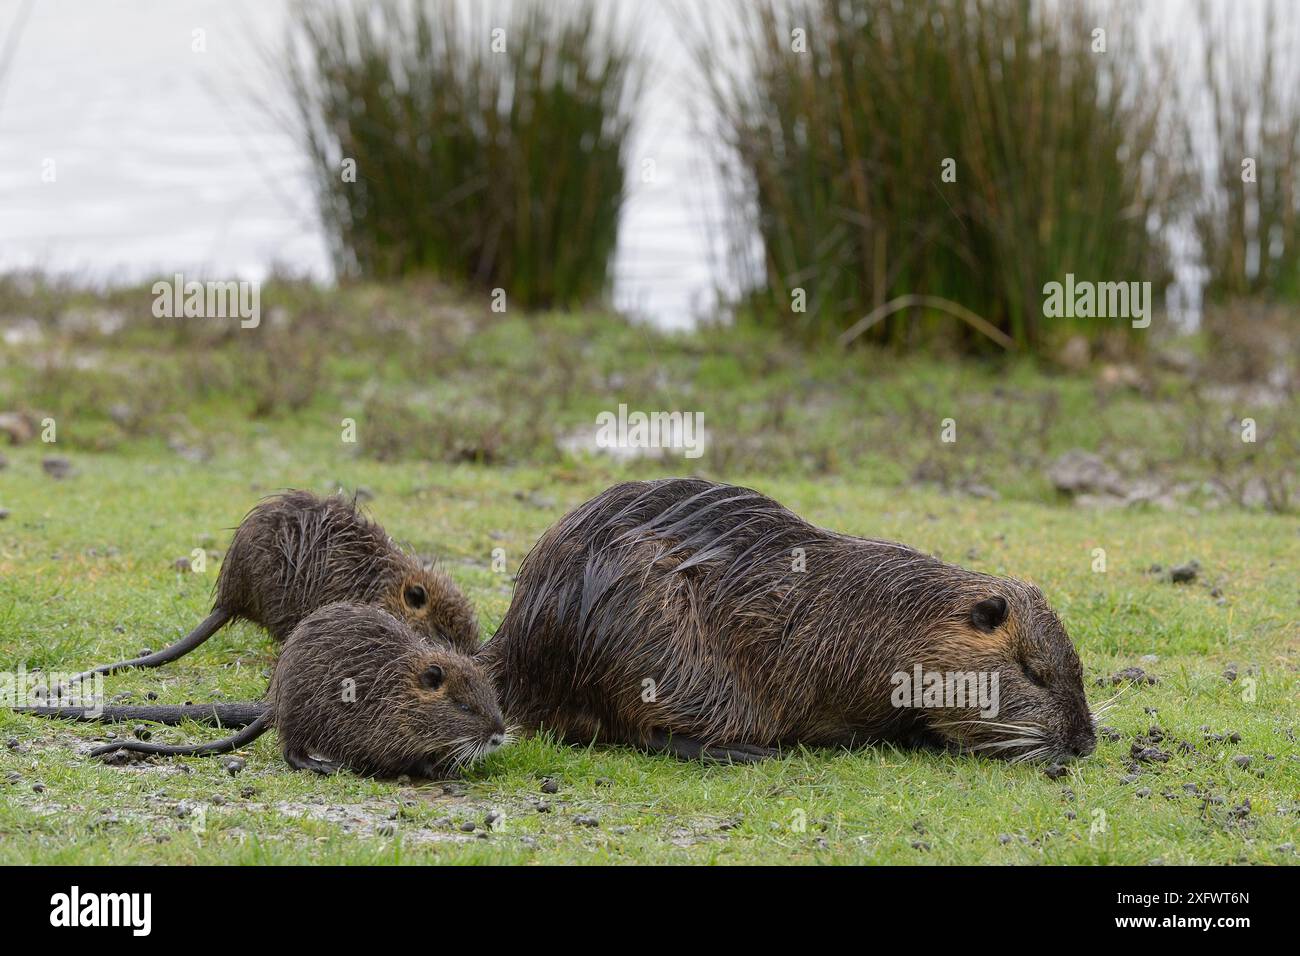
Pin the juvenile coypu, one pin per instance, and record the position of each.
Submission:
(707, 620)
(296, 552)
(357, 688)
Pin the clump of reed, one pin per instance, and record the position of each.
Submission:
(479, 145)
(1248, 222)
(837, 138)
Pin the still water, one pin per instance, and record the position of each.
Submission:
(125, 153)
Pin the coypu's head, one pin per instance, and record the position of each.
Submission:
(447, 715)
(1003, 640)
(434, 607)
(357, 687)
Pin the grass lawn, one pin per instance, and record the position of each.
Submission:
(173, 435)
(86, 575)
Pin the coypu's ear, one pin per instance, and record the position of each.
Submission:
(415, 596)
(989, 614)
(431, 677)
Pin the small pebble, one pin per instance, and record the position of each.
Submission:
(1056, 771)
(584, 820)
(541, 806)
(141, 732)
(1241, 760)
(56, 467)
(385, 829)
(550, 785)
(1142, 792)
(248, 792)
(12, 743)
(494, 819)
(468, 827)
(38, 788)
(1004, 838)
(234, 765)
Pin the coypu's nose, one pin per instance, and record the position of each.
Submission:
(496, 740)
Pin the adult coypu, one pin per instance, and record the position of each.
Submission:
(296, 552)
(357, 688)
(707, 620)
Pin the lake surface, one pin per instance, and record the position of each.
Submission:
(125, 154)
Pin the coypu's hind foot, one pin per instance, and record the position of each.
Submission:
(210, 625)
(688, 748)
(326, 768)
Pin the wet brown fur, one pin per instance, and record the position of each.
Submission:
(350, 688)
(357, 688)
(691, 585)
(296, 552)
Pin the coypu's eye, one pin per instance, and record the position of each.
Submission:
(416, 596)
(990, 613)
(431, 677)
(1033, 676)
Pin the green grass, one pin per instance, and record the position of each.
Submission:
(428, 376)
(457, 415)
(84, 557)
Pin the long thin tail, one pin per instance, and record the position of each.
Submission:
(211, 624)
(220, 715)
(222, 746)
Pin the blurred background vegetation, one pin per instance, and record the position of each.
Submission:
(482, 169)
(1073, 146)
(495, 162)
